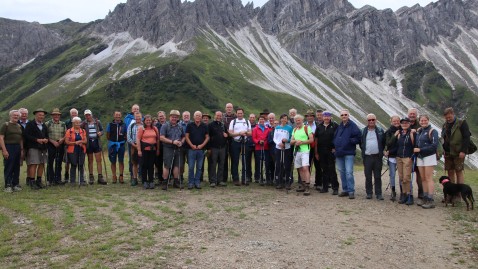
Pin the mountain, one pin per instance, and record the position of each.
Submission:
(168, 54)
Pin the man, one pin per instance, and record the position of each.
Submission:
(36, 136)
(239, 130)
(302, 137)
(131, 138)
(217, 144)
(324, 152)
(116, 135)
(414, 126)
(197, 137)
(311, 122)
(186, 119)
(69, 125)
(249, 152)
(172, 135)
(372, 145)
(227, 117)
(346, 139)
(270, 122)
(206, 118)
(56, 147)
(11, 144)
(94, 131)
(292, 114)
(456, 139)
(127, 122)
(23, 117)
(319, 118)
(159, 161)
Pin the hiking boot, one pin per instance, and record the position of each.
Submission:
(403, 198)
(101, 180)
(420, 201)
(114, 179)
(176, 183)
(198, 187)
(237, 183)
(279, 187)
(212, 185)
(409, 199)
(82, 184)
(39, 183)
(8, 189)
(134, 182)
(152, 185)
(324, 190)
(379, 197)
(430, 203)
(121, 179)
(335, 192)
(91, 179)
(300, 188)
(343, 194)
(146, 185)
(351, 195)
(369, 196)
(393, 197)
(17, 188)
(307, 190)
(318, 188)
(222, 184)
(287, 187)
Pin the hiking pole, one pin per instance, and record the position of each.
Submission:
(262, 164)
(170, 169)
(104, 163)
(294, 152)
(410, 196)
(244, 165)
(180, 178)
(44, 172)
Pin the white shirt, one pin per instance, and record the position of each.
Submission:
(238, 126)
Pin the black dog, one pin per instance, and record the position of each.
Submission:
(451, 189)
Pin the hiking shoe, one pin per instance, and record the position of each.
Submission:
(324, 190)
(91, 179)
(121, 179)
(152, 185)
(393, 197)
(430, 203)
(134, 182)
(343, 194)
(190, 187)
(114, 179)
(237, 183)
(8, 189)
(82, 184)
(212, 185)
(307, 190)
(222, 184)
(409, 200)
(369, 196)
(176, 183)
(287, 187)
(420, 201)
(198, 187)
(278, 187)
(300, 188)
(17, 188)
(39, 183)
(403, 198)
(335, 192)
(101, 180)
(351, 195)
(379, 197)
(146, 185)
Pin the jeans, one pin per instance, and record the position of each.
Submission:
(55, 161)
(392, 170)
(195, 157)
(236, 155)
(11, 165)
(373, 165)
(345, 165)
(216, 170)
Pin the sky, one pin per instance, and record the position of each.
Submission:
(48, 11)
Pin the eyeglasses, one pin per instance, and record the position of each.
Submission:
(341, 115)
(371, 120)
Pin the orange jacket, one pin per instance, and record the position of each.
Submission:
(70, 137)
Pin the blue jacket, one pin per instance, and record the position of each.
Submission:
(128, 119)
(428, 144)
(380, 140)
(346, 139)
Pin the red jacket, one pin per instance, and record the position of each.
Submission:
(258, 134)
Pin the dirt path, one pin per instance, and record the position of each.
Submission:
(265, 228)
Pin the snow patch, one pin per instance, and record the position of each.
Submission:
(131, 72)
(24, 64)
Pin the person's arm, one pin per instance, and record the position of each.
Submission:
(255, 139)
(2, 145)
(465, 142)
(158, 143)
(139, 136)
(108, 130)
(204, 143)
(311, 138)
(249, 129)
(188, 140)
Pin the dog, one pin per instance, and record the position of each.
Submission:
(451, 189)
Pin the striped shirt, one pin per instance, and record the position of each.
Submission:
(132, 131)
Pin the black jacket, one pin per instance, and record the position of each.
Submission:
(32, 133)
(216, 134)
(325, 137)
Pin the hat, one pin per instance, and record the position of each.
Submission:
(310, 112)
(405, 119)
(56, 111)
(88, 112)
(174, 112)
(206, 115)
(326, 114)
(264, 112)
(39, 110)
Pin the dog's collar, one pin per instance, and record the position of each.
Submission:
(445, 181)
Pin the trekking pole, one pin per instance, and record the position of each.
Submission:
(282, 169)
(170, 169)
(104, 163)
(244, 165)
(294, 152)
(179, 168)
(44, 172)
(262, 164)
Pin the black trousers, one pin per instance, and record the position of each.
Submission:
(55, 161)
(228, 157)
(283, 167)
(327, 168)
(373, 166)
(147, 165)
(318, 171)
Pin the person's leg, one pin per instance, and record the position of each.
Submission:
(144, 168)
(60, 151)
(90, 164)
(212, 167)
(199, 165)
(191, 163)
(16, 152)
(99, 166)
(150, 167)
(340, 163)
(235, 152)
(50, 176)
(377, 175)
(267, 163)
(287, 168)
(421, 172)
(368, 169)
(349, 173)
(249, 152)
(221, 160)
(8, 169)
(278, 169)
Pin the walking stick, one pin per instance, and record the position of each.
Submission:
(104, 163)
(262, 164)
(244, 165)
(170, 169)
(44, 172)
(180, 179)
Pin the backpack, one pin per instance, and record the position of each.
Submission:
(439, 152)
(234, 124)
(471, 146)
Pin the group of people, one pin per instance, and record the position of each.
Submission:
(160, 147)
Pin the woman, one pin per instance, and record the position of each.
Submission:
(147, 143)
(283, 161)
(261, 151)
(425, 149)
(11, 142)
(404, 144)
(391, 153)
(75, 139)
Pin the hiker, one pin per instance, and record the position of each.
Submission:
(94, 130)
(260, 136)
(131, 135)
(302, 137)
(415, 125)
(128, 119)
(76, 140)
(147, 143)
(173, 137)
(159, 161)
(116, 135)
(271, 123)
(217, 143)
(425, 149)
(186, 119)
(250, 152)
(11, 143)
(312, 124)
(404, 141)
(69, 125)
(456, 139)
(324, 152)
(346, 139)
(206, 118)
(292, 114)
(227, 117)
(282, 137)
(391, 152)
(36, 136)
(270, 119)
(240, 131)
(372, 145)
(23, 123)
(56, 147)
(197, 137)
(319, 176)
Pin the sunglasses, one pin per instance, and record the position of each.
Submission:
(371, 120)
(344, 115)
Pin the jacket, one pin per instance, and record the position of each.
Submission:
(216, 135)
(258, 134)
(456, 137)
(32, 133)
(346, 139)
(380, 140)
(391, 142)
(128, 119)
(426, 145)
(324, 137)
(70, 134)
(405, 144)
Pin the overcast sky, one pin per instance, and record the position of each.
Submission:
(48, 11)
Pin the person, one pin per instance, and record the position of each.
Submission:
(56, 147)
(404, 142)
(312, 124)
(128, 119)
(372, 145)
(94, 131)
(186, 119)
(271, 123)
(292, 114)
(217, 144)
(391, 153)
(116, 135)
(197, 137)
(240, 131)
(302, 137)
(425, 150)
(261, 151)
(324, 152)
(11, 143)
(159, 161)
(346, 139)
(206, 118)
(23, 123)
(173, 137)
(319, 176)
(415, 125)
(76, 140)
(147, 144)
(36, 136)
(249, 152)
(69, 125)
(282, 137)
(271, 118)
(131, 135)
(456, 139)
(319, 117)
(228, 116)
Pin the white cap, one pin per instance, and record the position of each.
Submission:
(88, 112)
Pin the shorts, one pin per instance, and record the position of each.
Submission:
(134, 155)
(168, 156)
(37, 156)
(93, 146)
(427, 161)
(116, 153)
(301, 159)
(454, 163)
